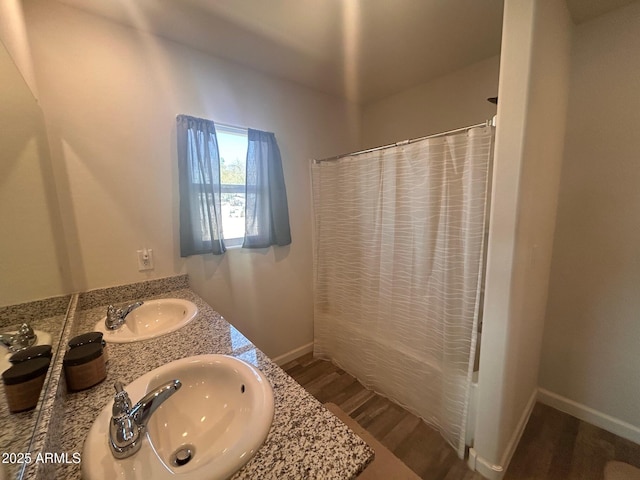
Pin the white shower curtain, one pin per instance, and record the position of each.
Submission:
(398, 261)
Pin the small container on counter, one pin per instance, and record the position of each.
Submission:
(84, 366)
(40, 351)
(23, 383)
(87, 338)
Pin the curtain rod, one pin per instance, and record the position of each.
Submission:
(488, 123)
(222, 124)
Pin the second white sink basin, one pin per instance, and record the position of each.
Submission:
(222, 414)
(153, 319)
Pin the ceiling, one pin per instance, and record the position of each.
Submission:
(360, 49)
(363, 50)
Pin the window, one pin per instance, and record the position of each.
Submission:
(221, 203)
(232, 146)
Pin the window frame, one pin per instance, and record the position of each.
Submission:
(230, 187)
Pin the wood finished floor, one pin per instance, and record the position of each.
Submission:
(554, 446)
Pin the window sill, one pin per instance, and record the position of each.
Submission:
(231, 243)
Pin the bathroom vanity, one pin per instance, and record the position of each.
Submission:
(305, 440)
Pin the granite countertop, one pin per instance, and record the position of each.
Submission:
(305, 440)
(46, 315)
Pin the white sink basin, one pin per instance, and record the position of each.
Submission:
(223, 413)
(44, 338)
(152, 319)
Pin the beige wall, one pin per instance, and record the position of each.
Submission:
(533, 94)
(447, 102)
(30, 236)
(110, 96)
(591, 349)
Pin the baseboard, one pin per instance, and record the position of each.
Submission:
(478, 464)
(496, 472)
(590, 415)
(293, 354)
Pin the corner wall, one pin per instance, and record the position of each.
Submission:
(534, 81)
(30, 242)
(110, 96)
(591, 348)
(13, 34)
(451, 101)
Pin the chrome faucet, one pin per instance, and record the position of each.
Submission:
(128, 423)
(25, 337)
(117, 316)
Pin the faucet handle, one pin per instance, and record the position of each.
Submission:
(121, 400)
(25, 337)
(114, 318)
(25, 329)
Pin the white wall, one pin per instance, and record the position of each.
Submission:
(445, 103)
(30, 239)
(591, 349)
(110, 96)
(533, 91)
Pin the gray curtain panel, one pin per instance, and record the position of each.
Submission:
(267, 212)
(199, 177)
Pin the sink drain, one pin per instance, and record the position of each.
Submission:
(182, 456)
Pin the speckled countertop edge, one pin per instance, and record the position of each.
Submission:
(306, 441)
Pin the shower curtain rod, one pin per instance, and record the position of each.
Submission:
(488, 123)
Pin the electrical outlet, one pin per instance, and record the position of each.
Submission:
(145, 259)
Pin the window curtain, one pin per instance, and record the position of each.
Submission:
(199, 180)
(267, 213)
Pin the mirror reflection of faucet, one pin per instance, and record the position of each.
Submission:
(16, 341)
(116, 317)
(19, 340)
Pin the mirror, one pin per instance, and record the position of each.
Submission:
(32, 243)
(32, 239)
